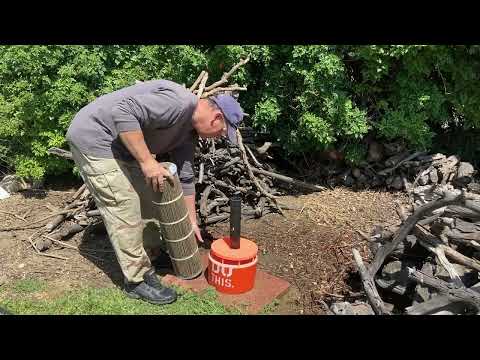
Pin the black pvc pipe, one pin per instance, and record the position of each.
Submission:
(235, 220)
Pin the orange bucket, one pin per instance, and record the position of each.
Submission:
(232, 271)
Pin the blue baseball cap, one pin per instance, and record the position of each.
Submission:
(232, 112)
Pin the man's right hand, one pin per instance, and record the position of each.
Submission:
(155, 174)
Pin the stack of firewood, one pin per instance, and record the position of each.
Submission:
(392, 166)
(428, 263)
(224, 170)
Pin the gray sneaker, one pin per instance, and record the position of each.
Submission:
(151, 290)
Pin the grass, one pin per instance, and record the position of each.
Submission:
(28, 286)
(20, 298)
(270, 308)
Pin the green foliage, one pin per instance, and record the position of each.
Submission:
(355, 153)
(307, 98)
(418, 91)
(42, 87)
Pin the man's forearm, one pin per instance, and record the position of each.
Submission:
(190, 203)
(135, 143)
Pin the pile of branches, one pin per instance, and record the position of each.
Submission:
(392, 166)
(78, 213)
(225, 170)
(430, 262)
(222, 170)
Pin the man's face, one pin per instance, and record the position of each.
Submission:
(211, 124)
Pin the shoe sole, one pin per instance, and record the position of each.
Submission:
(138, 297)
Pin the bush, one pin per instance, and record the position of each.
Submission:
(44, 86)
(307, 98)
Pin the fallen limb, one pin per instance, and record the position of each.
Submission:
(438, 303)
(216, 218)
(408, 158)
(14, 215)
(254, 159)
(197, 81)
(60, 152)
(59, 217)
(369, 286)
(78, 192)
(408, 225)
(203, 201)
(462, 212)
(226, 75)
(31, 225)
(223, 89)
(264, 148)
(201, 172)
(202, 85)
(454, 293)
(470, 240)
(40, 253)
(93, 213)
(289, 180)
(252, 176)
(431, 243)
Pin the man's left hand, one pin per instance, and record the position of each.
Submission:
(197, 232)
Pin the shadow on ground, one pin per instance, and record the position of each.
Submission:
(95, 247)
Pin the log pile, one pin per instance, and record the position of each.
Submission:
(428, 263)
(225, 170)
(222, 170)
(390, 165)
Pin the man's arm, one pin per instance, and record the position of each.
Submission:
(152, 170)
(129, 116)
(190, 203)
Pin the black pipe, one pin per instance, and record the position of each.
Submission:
(235, 220)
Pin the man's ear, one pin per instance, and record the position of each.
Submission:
(218, 116)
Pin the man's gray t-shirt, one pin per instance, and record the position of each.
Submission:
(163, 111)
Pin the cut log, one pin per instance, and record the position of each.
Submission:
(464, 239)
(423, 293)
(455, 294)
(465, 226)
(59, 218)
(92, 213)
(461, 212)
(431, 241)
(439, 303)
(397, 160)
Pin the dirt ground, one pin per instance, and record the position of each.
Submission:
(309, 247)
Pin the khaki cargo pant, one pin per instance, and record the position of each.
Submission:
(125, 204)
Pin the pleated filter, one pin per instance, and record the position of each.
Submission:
(176, 227)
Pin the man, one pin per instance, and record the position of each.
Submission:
(113, 140)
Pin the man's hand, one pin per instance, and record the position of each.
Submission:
(190, 203)
(155, 174)
(197, 232)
